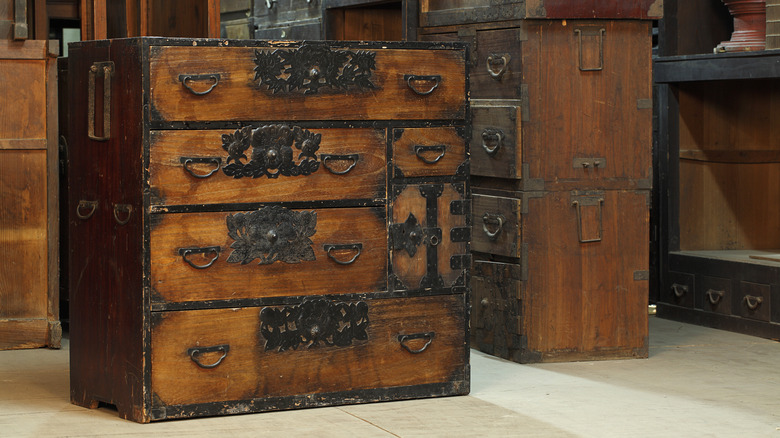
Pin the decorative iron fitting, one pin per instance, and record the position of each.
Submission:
(314, 322)
(271, 151)
(314, 66)
(407, 235)
(272, 233)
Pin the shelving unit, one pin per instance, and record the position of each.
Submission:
(720, 179)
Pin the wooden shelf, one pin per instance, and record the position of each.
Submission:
(716, 67)
(731, 156)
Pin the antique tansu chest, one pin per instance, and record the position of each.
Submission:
(259, 226)
(561, 131)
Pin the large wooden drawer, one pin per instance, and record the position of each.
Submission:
(267, 163)
(251, 83)
(317, 347)
(272, 251)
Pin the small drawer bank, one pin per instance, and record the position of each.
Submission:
(259, 226)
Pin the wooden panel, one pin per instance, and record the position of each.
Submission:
(496, 141)
(586, 300)
(428, 151)
(497, 222)
(248, 371)
(22, 99)
(172, 184)
(391, 98)
(496, 317)
(174, 280)
(180, 18)
(416, 270)
(579, 118)
(379, 23)
(23, 234)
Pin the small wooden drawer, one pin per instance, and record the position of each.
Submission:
(268, 252)
(496, 222)
(680, 291)
(313, 348)
(313, 81)
(714, 294)
(428, 151)
(496, 140)
(268, 163)
(754, 301)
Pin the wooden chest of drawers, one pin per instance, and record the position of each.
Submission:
(259, 226)
(561, 172)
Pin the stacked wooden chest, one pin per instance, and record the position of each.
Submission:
(260, 226)
(561, 165)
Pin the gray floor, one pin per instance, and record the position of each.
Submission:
(698, 382)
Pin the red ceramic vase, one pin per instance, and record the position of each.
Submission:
(749, 26)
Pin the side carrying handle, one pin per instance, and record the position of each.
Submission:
(196, 352)
(186, 252)
(578, 205)
(679, 290)
(488, 135)
(491, 59)
(91, 205)
(127, 209)
(350, 246)
(422, 151)
(105, 69)
(434, 80)
(188, 161)
(326, 158)
(212, 77)
(591, 32)
(752, 302)
(403, 339)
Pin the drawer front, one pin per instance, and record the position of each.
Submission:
(269, 252)
(754, 301)
(245, 353)
(497, 222)
(270, 163)
(496, 146)
(248, 83)
(305, 30)
(680, 290)
(282, 11)
(714, 294)
(496, 313)
(429, 236)
(428, 151)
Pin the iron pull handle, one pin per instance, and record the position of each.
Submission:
(600, 34)
(435, 79)
(579, 222)
(21, 30)
(489, 218)
(714, 296)
(352, 246)
(122, 208)
(753, 302)
(487, 135)
(184, 79)
(186, 252)
(194, 354)
(106, 69)
(187, 161)
(679, 290)
(332, 157)
(404, 338)
(505, 58)
(420, 151)
(83, 204)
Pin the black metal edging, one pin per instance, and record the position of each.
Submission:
(732, 66)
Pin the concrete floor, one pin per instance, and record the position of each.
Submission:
(698, 382)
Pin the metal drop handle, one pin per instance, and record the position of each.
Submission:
(185, 79)
(435, 79)
(326, 158)
(92, 205)
(404, 338)
(753, 302)
(186, 252)
(679, 290)
(187, 161)
(714, 296)
(420, 151)
(194, 354)
(353, 246)
(489, 218)
(122, 208)
(505, 58)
